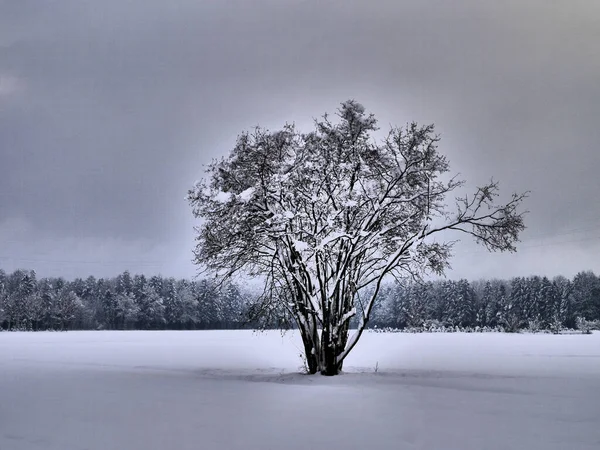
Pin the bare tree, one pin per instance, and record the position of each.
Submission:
(325, 215)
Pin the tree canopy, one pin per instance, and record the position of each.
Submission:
(325, 216)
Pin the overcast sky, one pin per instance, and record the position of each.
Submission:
(109, 109)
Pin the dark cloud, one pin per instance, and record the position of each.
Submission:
(109, 109)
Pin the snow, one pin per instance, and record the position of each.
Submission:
(301, 245)
(242, 390)
(222, 197)
(246, 195)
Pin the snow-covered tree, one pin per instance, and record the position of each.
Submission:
(387, 312)
(67, 306)
(563, 314)
(496, 303)
(466, 308)
(21, 301)
(3, 297)
(416, 309)
(487, 309)
(127, 311)
(156, 283)
(231, 304)
(188, 298)
(150, 308)
(512, 311)
(586, 295)
(547, 297)
(173, 305)
(323, 215)
(110, 305)
(534, 299)
(124, 284)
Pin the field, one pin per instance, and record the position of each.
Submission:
(242, 390)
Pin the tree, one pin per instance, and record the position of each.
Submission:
(3, 297)
(586, 293)
(513, 311)
(110, 305)
(488, 306)
(127, 311)
(150, 308)
(21, 300)
(563, 311)
(415, 309)
(67, 306)
(188, 298)
(323, 215)
(465, 305)
(173, 306)
(231, 305)
(124, 283)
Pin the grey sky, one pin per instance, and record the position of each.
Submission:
(109, 109)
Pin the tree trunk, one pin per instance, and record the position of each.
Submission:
(321, 353)
(330, 350)
(312, 358)
(310, 339)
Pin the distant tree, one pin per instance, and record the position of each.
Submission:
(124, 284)
(208, 311)
(487, 312)
(416, 309)
(393, 312)
(110, 305)
(546, 296)
(447, 300)
(173, 305)
(150, 309)
(502, 295)
(231, 304)
(511, 315)
(586, 295)
(563, 310)
(439, 307)
(323, 215)
(187, 295)
(67, 306)
(46, 298)
(156, 283)
(3, 297)
(387, 311)
(127, 311)
(466, 306)
(20, 304)
(138, 285)
(78, 286)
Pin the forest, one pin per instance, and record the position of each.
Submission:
(127, 302)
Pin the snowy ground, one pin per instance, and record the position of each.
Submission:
(240, 390)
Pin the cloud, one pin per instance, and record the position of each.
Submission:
(9, 85)
(126, 100)
(72, 257)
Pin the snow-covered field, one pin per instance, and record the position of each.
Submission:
(241, 390)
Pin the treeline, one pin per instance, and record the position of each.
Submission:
(122, 303)
(130, 302)
(534, 303)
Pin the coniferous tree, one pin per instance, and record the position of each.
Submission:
(173, 305)
(110, 306)
(586, 295)
(67, 307)
(187, 294)
(565, 310)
